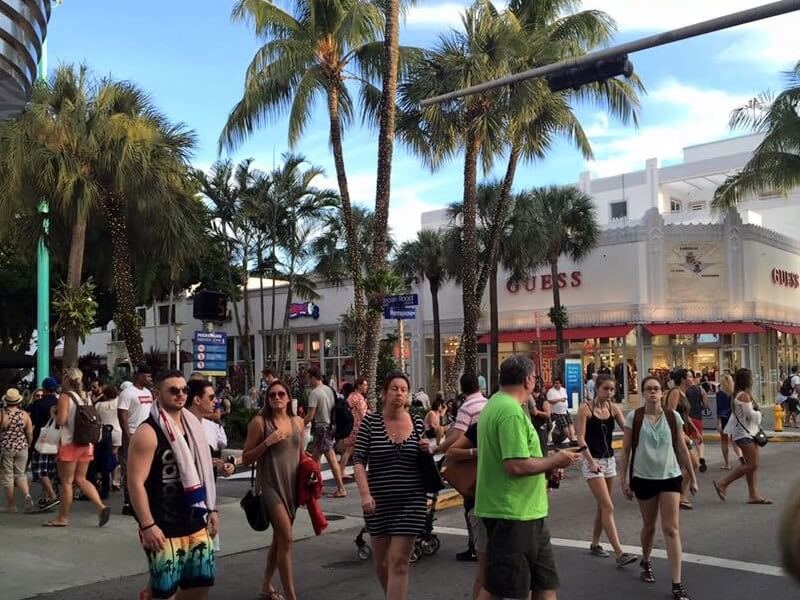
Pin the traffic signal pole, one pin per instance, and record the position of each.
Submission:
(743, 17)
(43, 273)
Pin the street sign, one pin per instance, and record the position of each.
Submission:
(404, 300)
(211, 353)
(573, 381)
(399, 313)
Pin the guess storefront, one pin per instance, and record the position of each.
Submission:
(652, 297)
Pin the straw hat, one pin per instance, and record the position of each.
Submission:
(12, 397)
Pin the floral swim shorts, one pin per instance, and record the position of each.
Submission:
(184, 562)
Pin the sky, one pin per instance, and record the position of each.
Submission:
(191, 58)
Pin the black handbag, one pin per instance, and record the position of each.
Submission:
(431, 478)
(759, 437)
(253, 507)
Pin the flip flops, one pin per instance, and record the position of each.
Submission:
(54, 524)
(103, 516)
(720, 493)
(760, 501)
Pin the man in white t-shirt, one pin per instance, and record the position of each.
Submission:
(590, 387)
(557, 397)
(321, 402)
(133, 408)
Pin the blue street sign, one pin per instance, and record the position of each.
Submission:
(573, 381)
(210, 351)
(399, 313)
(401, 300)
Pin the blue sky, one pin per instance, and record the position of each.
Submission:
(191, 58)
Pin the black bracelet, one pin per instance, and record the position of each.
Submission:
(143, 529)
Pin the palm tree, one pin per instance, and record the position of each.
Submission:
(141, 159)
(522, 120)
(775, 164)
(517, 236)
(305, 206)
(567, 226)
(48, 152)
(226, 187)
(426, 258)
(311, 52)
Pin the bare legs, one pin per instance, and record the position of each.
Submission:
(604, 516)
(74, 473)
(391, 556)
(748, 470)
(348, 452)
(330, 456)
(280, 553)
(667, 503)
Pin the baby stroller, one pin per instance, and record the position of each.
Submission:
(426, 544)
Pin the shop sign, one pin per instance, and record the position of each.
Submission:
(545, 282)
(573, 381)
(303, 309)
(785, 278)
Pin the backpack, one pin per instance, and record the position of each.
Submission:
(342, 418)
(88, 427)
(786, 387)
(638, 420)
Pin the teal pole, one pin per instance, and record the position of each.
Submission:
(43, 275)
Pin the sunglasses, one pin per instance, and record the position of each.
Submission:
(177, 391)
(652, 388)
(277, 394)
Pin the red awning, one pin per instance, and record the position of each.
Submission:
(571, 333)
(792, 329)
(698, 328)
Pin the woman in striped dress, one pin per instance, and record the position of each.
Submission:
(392, 493)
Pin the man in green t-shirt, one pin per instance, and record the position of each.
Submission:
(511, 494)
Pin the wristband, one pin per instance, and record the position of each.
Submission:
(143, 529)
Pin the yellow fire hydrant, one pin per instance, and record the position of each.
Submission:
(778, 414)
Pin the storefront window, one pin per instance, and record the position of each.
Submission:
(331, 344)
(300, 346)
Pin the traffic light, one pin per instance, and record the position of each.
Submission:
(210, 306)
(575, 77)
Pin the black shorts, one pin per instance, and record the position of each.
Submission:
(723, 421)
(519, 558)
(644, 489)
(562, 421)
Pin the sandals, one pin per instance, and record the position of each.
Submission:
(760, 501)
(103, 516)
(647, 575)
(54, 524)
(338, 494)
(273, 595)
(679, 592)
(686, 505)
(720, 493)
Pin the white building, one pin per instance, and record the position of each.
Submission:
(671, 283)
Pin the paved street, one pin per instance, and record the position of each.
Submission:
(729, 548)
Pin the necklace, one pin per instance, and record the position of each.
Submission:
(397, 433)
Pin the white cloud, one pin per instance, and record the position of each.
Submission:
(691, 115)
(407, 204)
(766, 44)
(438, 15)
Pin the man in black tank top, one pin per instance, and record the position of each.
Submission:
(178, 539)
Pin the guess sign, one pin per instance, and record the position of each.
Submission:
(545, 282)
(785, 278)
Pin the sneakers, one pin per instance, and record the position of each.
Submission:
(599, 551)
(703, 465)
(127, 510)
(467, 556)
(28, 504)
(625, 559)
(45, 504)
(679, 592)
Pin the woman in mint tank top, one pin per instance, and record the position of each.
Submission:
(653, 452)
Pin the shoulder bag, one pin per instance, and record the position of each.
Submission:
(252, 505)
(429, 472)
(759, 437)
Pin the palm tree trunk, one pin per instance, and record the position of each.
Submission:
(501, 214)
(123, 278)
(388, 112)
(278, 366)
(170, 325)
(261, 298)
(233, 287)
(155, 325)
(351, 233)
(469, 250)
(557, 306)
(285, 331)
(494, 328)
(437, 339)
(74, 270)
(248, 354)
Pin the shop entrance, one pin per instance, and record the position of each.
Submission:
(731, 359)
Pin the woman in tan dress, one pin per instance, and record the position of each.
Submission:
(275, 443)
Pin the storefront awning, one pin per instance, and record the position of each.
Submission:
(571, 333)
(790, 329)
(698, 328)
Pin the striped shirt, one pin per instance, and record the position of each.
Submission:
(394, 478)
(469, 411)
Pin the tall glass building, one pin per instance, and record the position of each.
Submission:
(23, 27)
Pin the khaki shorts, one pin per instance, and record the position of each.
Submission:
(478, 531)
(12, 466)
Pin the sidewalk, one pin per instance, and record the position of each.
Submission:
(38, 560)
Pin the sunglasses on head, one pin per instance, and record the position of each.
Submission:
(177, 391)
(280, 394)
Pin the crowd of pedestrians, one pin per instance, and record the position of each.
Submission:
(161, 442)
